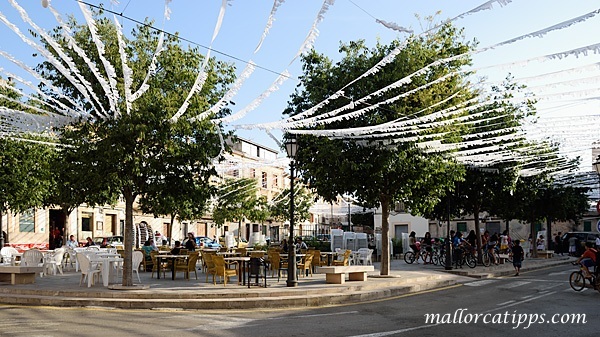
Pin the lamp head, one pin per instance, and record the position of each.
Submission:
(291, 147)
(45, 3)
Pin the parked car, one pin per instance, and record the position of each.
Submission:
(582, 238)
(206, 242)
(112, 240)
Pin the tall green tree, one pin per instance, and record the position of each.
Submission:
(25, 175)
(73, 184)
(237, 199)
(139, 150)
(392, 167)
(303, 201)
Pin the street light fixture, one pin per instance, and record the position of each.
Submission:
(291, 147)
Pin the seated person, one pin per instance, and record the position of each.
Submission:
(412, 242)
(147, 248)
(89, 242)
(300, 245)
(588, 259)
(177, 249)
(190, 243)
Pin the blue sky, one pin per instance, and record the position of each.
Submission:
(346, 20)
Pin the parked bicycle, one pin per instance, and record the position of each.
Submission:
(490, 257)
(577, 279)
(465, 255)
(411, 256)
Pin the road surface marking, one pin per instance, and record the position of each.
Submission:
(507, 302)
(514, 284)
(315, 315)
(480, 283)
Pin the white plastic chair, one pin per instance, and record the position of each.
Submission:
(364, 256)
(136, 260)
(33, 258)
(8, 255)
(54, 261)
(88, 272)
(71, 259)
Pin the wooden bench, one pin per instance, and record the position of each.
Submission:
(337, 274)
(18, 274)
(546, 254)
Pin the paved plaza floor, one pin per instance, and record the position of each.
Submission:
(64, 290)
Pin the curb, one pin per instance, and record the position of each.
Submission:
(315, 297)
(504, 271)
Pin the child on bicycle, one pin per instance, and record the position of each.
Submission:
(587, 259)
(414, 244)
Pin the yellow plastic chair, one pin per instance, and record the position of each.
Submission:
(187, 266)
(222, 269)
(163, 265)
(305, 266)
(345, 260)
(209, 264)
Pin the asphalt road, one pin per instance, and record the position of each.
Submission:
(540, 302)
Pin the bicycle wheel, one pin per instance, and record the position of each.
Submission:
(471, 260)
(435, 259)
(577, 281)
(486, 259)
(442, 259)
(409, 257)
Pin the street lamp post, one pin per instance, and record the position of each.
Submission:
(349, 215)
(291, 146)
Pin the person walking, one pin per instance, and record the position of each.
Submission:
(558, 243)
(518, 255)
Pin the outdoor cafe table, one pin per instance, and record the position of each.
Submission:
(229, 254)
(330, 256)
(160, 257)
(242, 262)
(107, 263)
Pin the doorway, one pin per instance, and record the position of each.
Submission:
(56, 229)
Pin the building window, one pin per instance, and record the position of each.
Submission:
(236, 173)
(252, 173)
(264, 179)
(461, 227)
(250, 149)
(86, 222)
(275, 181)
(27, 221)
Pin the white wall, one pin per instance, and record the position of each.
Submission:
(415, 223)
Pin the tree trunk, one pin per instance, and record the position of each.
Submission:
(385, 236)
(549, 237)
(171, 228)
(2, 238)
(533, 240)
(127, 265)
